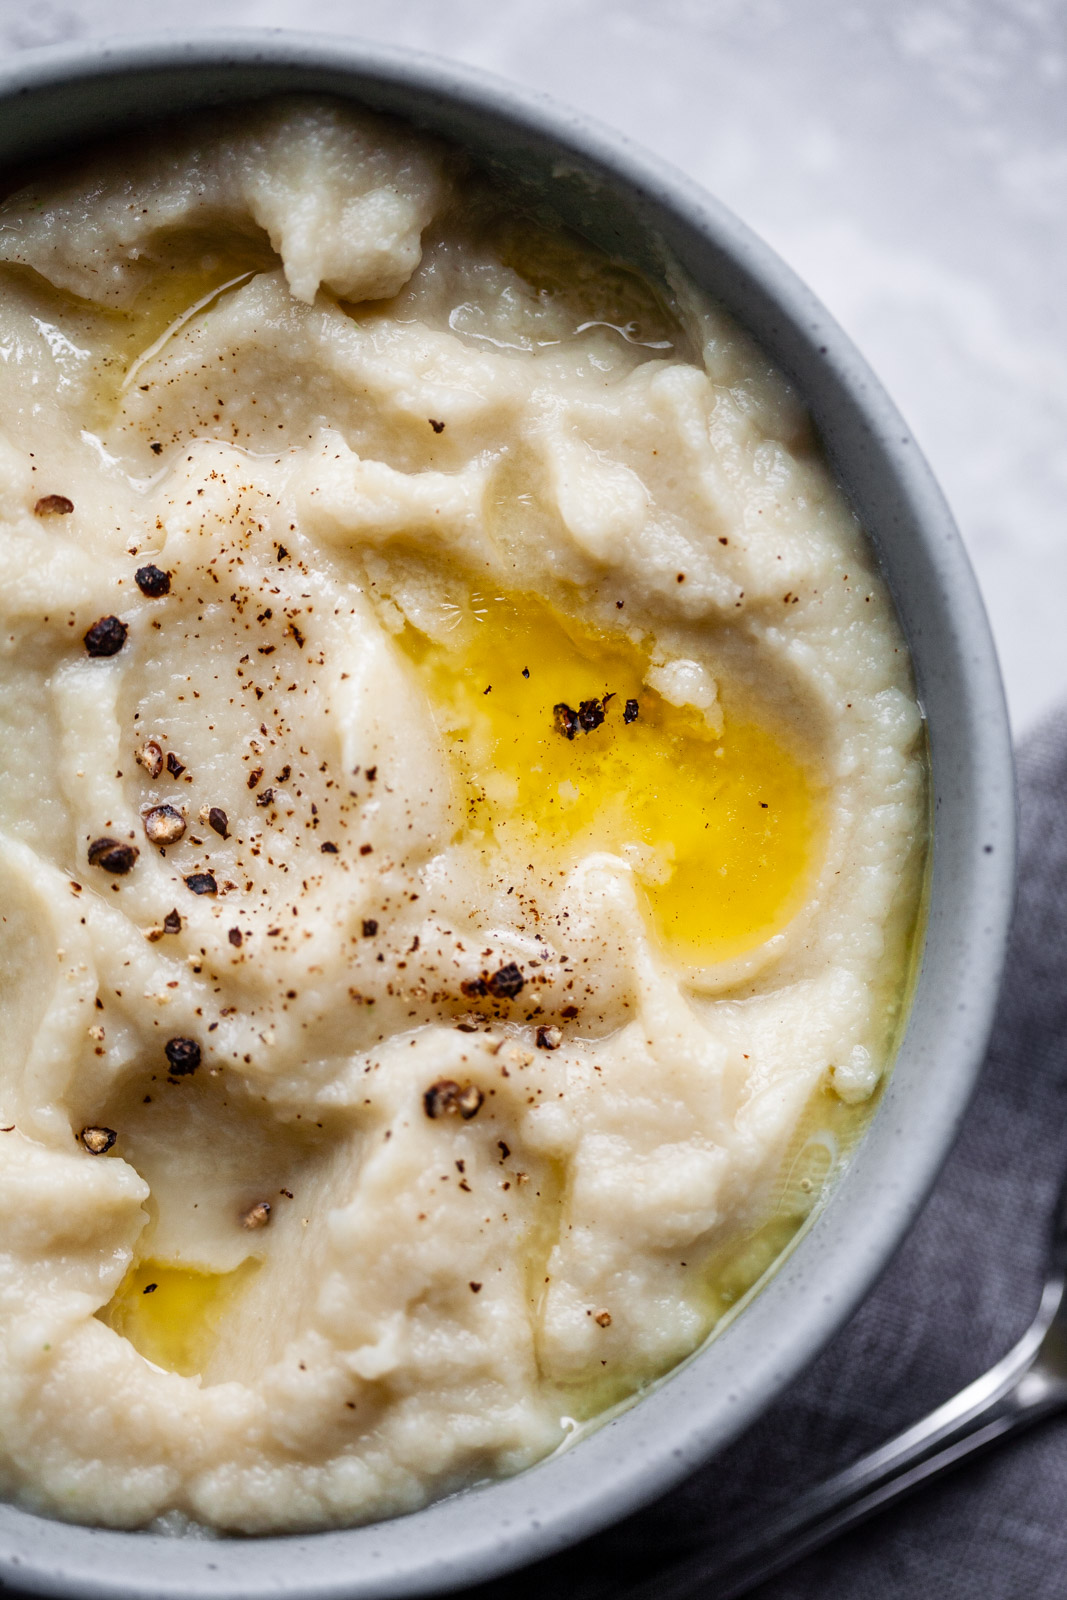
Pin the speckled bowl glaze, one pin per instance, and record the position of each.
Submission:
(633, 205)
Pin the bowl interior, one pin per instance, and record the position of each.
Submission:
(637, 209)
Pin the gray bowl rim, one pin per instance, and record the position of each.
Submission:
(708, 1401)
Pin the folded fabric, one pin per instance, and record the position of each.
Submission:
(962, 1289)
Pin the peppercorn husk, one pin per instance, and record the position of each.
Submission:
(216, 819)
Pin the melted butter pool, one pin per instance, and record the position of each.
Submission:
(723, 829)
(198, 270)
(171, 1314)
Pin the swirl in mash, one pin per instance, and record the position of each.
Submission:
(389, 1067)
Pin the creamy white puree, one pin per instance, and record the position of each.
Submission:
(432, 1295)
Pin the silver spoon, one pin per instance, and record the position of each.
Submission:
(1028, 1384)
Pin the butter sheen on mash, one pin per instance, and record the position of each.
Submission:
(461, 826)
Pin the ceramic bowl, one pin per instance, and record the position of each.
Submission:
(633, 205)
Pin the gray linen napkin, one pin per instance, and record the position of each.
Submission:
(962, 1289)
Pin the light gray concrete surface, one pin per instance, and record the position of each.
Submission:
(909, 160)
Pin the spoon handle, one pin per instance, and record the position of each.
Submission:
(1029, 1383)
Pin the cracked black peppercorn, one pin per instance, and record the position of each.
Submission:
(183, 1056)
(630, 711)
(164, 825)
(98, 1141)
(591, 714)
(506, 984)
(447, 1098)
(202, 883)
(112, 856)
(152, 581)
(106, 637)
(151, 758)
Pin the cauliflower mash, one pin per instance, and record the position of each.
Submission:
(461, 825)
